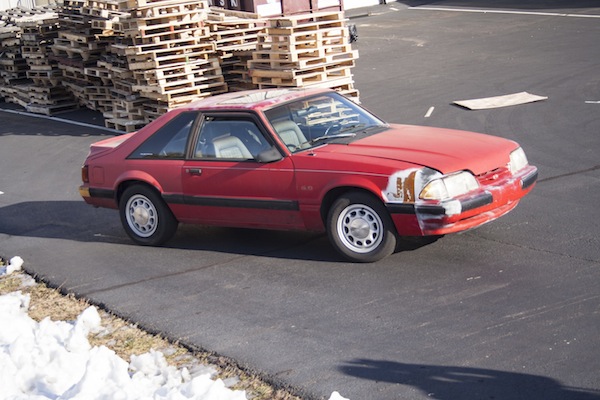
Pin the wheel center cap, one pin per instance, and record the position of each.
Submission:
(141, 216)
(359, 228)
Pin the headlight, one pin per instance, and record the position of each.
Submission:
(449, 186)
(518, 160)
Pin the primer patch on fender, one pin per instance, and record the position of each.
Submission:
(405, 186)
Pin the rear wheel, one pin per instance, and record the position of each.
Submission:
(145, 216)
(359, 227)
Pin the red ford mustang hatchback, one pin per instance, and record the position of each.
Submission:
(303, 160)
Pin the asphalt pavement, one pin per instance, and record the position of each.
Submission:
(508, 311)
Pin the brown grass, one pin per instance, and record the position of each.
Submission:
(126, 339)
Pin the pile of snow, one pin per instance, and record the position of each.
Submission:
(15, 264)
(54, 359)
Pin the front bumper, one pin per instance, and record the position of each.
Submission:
(427, 218)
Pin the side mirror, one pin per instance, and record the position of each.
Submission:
(269, 155)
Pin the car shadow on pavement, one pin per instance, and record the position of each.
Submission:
(70, 220)
(465, 383)
(77, 221)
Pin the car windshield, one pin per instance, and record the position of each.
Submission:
(320, 119)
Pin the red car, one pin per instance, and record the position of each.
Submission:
(299, 159)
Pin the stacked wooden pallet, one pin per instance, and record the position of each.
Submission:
(41, 92)
(13, 67)
(133, 60)
(305, 50)
(37, 35)
(235, 34)
(171, 53)
(82, 42)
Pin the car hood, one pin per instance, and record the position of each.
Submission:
(445, 150)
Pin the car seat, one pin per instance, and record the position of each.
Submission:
(289, 132)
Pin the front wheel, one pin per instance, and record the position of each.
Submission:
(145, 216)
(360, 228)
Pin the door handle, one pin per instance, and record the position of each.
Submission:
(194, 171)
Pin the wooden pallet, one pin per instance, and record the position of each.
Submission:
(14, 78)
(154, 109)
(51, 109)
(302, 76)
(236, 72)
(197, 82)
(73, 73)
(80, 39)
(35, 50)
(123, 90)
(240, 38)
(105, 5)
(116, 71)
(39, 22)
(170, 9)
(132, 109)
(124, 125)
(161, 60)
(180, 96)
(98, 73)
(50, 96)
(316, 20)
(178, 72)
(202, 87)
(8, 33)
(142, 4)
(134, 52)
(277, 60)
(45, 78)
(291, 43)
(63, 47)
(342, 82)
(41, 64)
(224, 15)
(13, 64)
(98, 93)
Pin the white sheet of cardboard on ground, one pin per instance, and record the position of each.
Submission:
(500, 101)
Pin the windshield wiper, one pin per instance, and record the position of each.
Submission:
(335, 136)
(351, 126)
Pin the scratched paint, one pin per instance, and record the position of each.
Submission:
(405, 186)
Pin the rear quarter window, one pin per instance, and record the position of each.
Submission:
(170, 141)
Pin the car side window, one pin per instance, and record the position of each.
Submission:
(170, 141)
(230, 139)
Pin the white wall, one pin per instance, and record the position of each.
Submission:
(348, 4)
(6, 4)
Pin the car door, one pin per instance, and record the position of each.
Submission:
(224, 184)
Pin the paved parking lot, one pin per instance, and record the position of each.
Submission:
(508, 311)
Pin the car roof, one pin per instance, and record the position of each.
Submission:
(259, 99)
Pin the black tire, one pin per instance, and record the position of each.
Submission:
(145, 217)
(360, 228)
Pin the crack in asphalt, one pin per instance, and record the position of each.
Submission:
(157, 277)
(551, 178)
